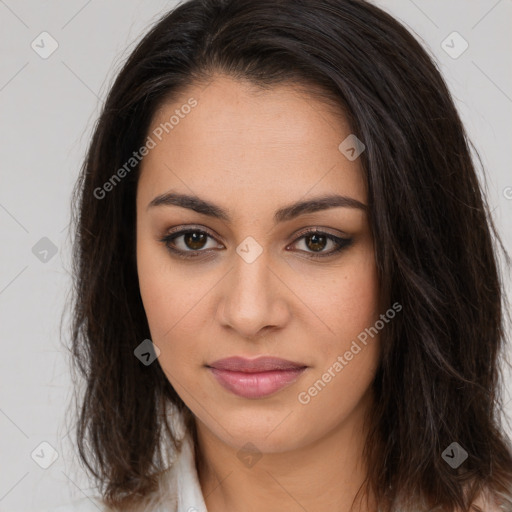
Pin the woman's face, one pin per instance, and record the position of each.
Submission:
(247, 280)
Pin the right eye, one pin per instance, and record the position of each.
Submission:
(188, 243)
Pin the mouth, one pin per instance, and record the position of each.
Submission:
(255, 378)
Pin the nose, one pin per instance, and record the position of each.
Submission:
(254, 299)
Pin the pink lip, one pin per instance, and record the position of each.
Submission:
(255, 378)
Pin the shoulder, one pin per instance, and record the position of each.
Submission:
(87, 504)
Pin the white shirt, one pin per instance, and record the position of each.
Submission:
(182, 477)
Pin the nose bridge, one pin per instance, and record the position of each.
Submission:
(252, 293)
(251, 273)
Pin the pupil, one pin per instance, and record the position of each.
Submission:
(318, 242)
(195, 240)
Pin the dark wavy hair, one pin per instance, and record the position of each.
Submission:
(436, 248)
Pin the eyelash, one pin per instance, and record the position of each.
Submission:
(342, 243)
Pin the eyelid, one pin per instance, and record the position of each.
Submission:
(318, 229)
(190, 227)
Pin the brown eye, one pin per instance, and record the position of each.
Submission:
(314, 242)
(195, 240)
(190, 243)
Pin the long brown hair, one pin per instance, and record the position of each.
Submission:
(439, 379)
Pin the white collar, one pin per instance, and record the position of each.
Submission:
(181, 477)
(190, 496)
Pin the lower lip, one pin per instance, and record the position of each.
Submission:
(256, 385)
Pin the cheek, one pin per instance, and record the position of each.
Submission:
(348, 303)
(153, 286)
(347, 365)
(173, 306)
(159, 289)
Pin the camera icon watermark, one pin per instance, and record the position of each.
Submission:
(147, 352)
(249, 250)
(454, 45)
(44, 250)
(351, 147)
(44, 45)
(249, 455)
(44, 455)
(454, 455)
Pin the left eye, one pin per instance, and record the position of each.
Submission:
(316, 241)
(190, 243)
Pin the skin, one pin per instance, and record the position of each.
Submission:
(252, 152)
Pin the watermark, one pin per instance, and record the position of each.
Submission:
(249, 250)
(44, 455)
(304, 397)
(44, 250)
(454, 455)
(507, 192)
(351, 147)
(137, 156)
(44, 45)
(454, 45)
(147, 352)
(249, 455)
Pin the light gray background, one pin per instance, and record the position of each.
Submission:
(48, 107)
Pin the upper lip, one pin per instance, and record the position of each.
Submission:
(260, 364)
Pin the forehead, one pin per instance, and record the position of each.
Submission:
(239, 139)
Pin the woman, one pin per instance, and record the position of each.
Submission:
(287, 290)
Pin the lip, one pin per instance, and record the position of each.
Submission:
(255, 378)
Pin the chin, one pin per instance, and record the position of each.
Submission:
(269, 433)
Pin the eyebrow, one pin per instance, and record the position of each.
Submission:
(282, 215)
